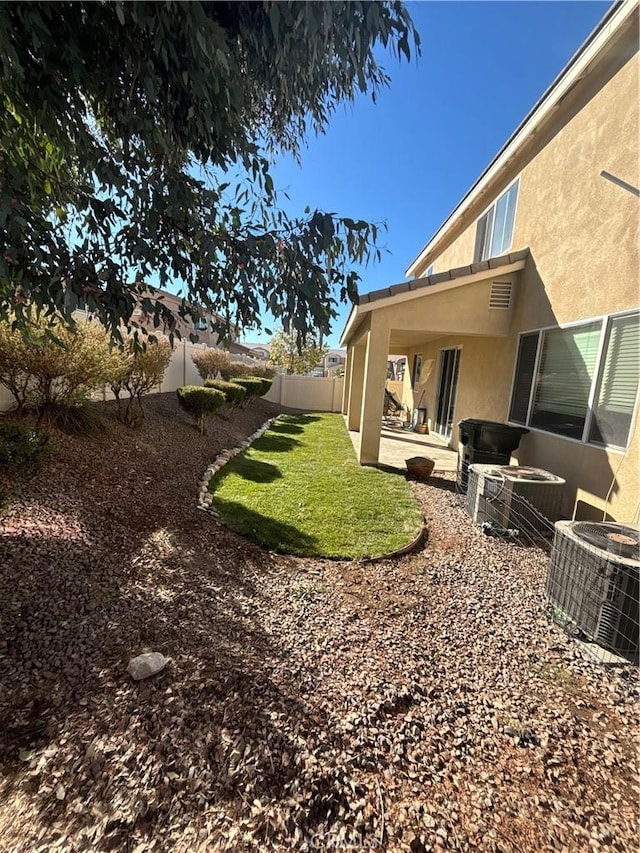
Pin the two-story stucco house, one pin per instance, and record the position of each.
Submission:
(523, 307)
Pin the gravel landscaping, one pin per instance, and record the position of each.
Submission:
(424, 703)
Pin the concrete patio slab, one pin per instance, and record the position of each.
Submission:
(398, 445)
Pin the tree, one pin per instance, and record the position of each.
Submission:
(200, 402)
(295, 355)
(138, 371)
(14, 364)
(143, 148)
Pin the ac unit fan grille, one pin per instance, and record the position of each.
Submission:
(600, 536)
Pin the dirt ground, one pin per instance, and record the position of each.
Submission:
(424, 703)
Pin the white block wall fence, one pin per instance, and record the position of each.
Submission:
(297, 392)
(315, 394)
(6, 400)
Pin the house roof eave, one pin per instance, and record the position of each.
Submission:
(349, 326)
(436, 283)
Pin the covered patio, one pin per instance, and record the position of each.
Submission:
(473, 304)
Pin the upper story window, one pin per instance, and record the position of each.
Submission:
(580, 382)
(494, 232)
(429, 270)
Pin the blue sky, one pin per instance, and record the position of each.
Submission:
(408, 159)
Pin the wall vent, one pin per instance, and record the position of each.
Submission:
(500, 296)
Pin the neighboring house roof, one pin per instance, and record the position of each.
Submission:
(177, 299)
(615, 19)
(259, 351)
(241, 349)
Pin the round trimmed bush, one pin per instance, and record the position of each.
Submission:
(266, 385)
(252, 385)
(200, 402)
(234, 394)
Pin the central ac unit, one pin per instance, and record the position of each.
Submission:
(593, 579)
(513, 496)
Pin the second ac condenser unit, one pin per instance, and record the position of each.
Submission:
(514, 496)
(593, 579)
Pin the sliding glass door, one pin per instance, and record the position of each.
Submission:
(446, 397)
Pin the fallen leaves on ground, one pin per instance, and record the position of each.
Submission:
(424, 703)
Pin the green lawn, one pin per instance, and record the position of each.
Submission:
(299, 490)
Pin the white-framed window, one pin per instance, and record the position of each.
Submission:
(494, 230)
(201, 324)
(580, 381)
(429, 270)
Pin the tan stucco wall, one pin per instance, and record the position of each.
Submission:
(591, 473)
(484, 380)
(582, 231)
(463, 307)
(581, 228)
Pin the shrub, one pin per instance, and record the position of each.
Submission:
(234, 370)
(253, 386)
(84, 419)
(14, 373)
(266, 385)
(66, 371)
(55, 366)
(211, 362)
(22, 445)
(234, 394)
(138, 371)
(200, 402)
(264, 371)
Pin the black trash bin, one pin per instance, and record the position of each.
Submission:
(485, 442)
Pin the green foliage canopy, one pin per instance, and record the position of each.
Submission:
(234, 394)
(253, 386)
(135, 141)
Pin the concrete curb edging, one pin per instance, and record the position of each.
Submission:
(205, 498)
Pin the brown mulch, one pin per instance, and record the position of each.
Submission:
(417, 704)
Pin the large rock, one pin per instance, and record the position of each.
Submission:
(146, 665)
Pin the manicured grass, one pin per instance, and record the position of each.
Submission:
(299, 490)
